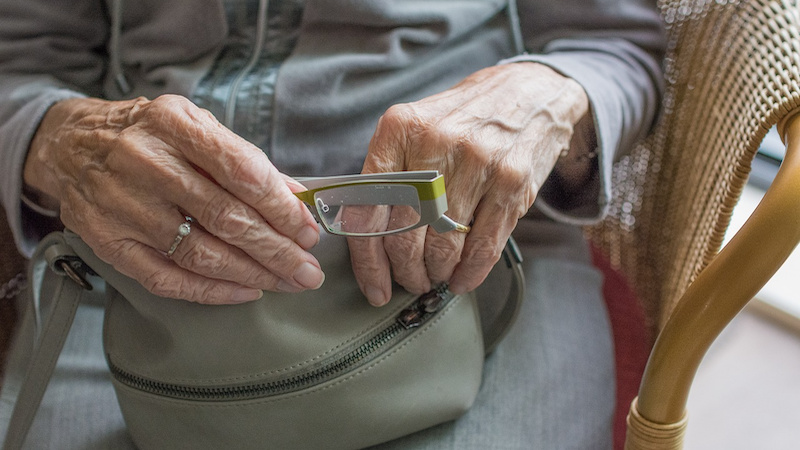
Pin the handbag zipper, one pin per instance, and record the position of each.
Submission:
(422, 309)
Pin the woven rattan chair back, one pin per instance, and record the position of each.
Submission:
(731, 73)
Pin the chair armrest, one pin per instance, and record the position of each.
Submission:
(718, 293)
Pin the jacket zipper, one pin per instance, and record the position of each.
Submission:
(419, 312)
(258, 45)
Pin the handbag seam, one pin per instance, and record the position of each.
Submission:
(245, 402)
(122, 361)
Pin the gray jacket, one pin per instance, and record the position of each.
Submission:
(353, 59)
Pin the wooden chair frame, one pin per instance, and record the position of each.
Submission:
(731, 73)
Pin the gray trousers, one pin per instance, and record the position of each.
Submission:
(548, 385)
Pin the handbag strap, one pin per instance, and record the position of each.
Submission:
(498, 329)
(58, 255)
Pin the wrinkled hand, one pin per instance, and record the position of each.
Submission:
(125, 174)
(496, 137)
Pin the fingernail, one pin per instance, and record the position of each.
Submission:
(288, 287)
(375, 296)
(309, 276)
(242, 295)
(308, 238)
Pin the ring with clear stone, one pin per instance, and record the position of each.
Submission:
(183, 230)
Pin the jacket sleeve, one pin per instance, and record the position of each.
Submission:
(50, 50)
(614, 50)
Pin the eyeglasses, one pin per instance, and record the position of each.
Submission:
(379, 204)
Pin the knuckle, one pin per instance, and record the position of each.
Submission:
(202, 259)
(399, 114)
(210, 294)
(280, 257)
(170, 285)
(406, 258)
(170, 101)
(513, 177)
(228, 220)
(284, 213)
(164, 284)
(438, 251)
(221, 265)
(115, 252)
(169, 112)
(247, 168)
(483, 252)
(512, 189)
(471, 154)
(395, 127)
(135, 111)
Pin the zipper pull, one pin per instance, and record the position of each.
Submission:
(427, 303)
(410, 317)
(432, 301)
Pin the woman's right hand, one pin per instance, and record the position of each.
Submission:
(125, 173)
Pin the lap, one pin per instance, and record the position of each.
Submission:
(550, 383)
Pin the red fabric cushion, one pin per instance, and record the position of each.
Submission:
(632, 342)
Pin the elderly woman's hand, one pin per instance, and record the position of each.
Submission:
(496, 137)
(125, 174)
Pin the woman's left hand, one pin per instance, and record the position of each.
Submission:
(496, 137)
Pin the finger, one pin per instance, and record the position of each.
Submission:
(145, 216)
(483, 245)
(164, 278)
(201, 253)
(239, 225)
(406, 253)
(157, 225)
(238, 166)
(371, 268)
(385, 152)
(246, 173)
(443, 251)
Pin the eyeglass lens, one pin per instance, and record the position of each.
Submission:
(368, 209)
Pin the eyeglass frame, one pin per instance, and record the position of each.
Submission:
(429, 185)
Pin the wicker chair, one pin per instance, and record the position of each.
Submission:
(731, 73)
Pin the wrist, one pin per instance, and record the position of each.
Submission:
(39, 187)
(576, 163)
(50, 145)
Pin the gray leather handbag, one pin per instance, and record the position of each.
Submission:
(320, 369)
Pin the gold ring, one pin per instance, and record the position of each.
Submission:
(462, 228)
